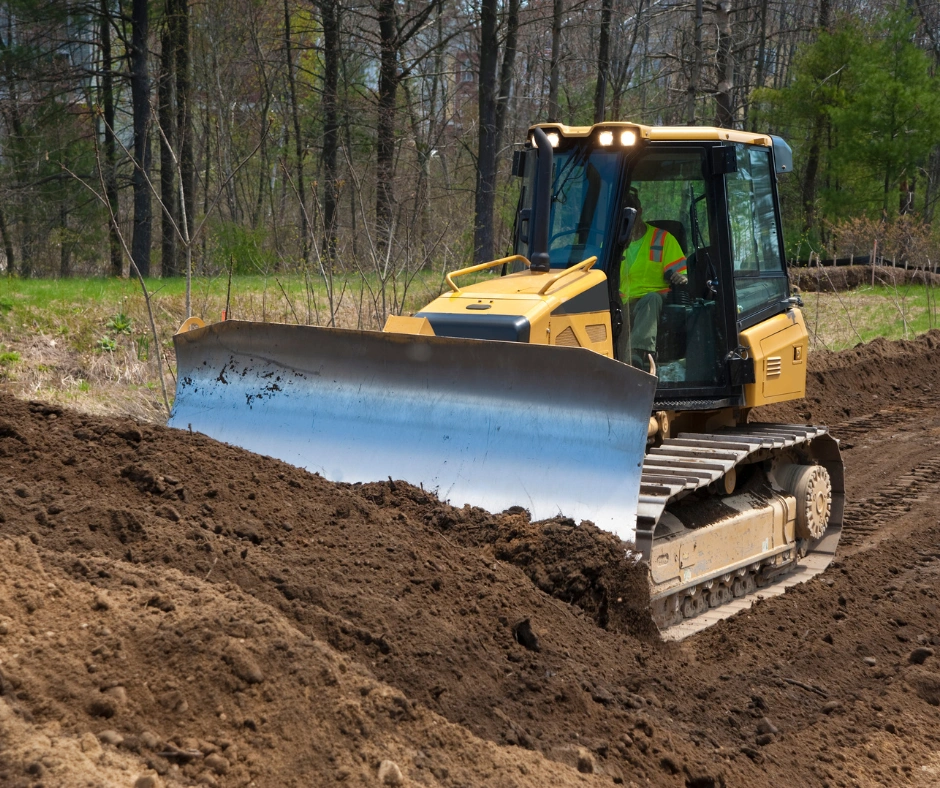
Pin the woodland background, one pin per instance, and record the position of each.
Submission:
(374, 136)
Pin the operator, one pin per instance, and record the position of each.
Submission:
(652, 261)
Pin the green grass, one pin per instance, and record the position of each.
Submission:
(841, 320)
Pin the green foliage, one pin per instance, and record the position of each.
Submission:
(864, 98)
(106, 345)
(9, 358)
(119, 323)
(241, 247)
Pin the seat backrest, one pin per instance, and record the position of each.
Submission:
(674, 228)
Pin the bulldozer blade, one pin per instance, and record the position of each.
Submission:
(556, 430)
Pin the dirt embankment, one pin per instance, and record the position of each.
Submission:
(174, 607)
(831, 279)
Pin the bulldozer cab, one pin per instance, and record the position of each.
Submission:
(716, 201)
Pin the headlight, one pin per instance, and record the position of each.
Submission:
(606, 138)
(627, 138)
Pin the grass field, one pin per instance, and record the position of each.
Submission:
(88, 342)
(840, 320)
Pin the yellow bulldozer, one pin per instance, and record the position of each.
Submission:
(604, 372)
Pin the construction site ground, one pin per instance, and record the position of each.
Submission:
(174, 611)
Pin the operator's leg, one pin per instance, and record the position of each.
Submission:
(645, 314)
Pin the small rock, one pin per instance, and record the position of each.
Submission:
(870, 661)
(217, 763)
(150, 740)
(110, 737)
(601, 695)
(765, 738)
(4, 628)
(36, 769)
(118, 693)
(920, 655)
(90, 746)
(390, 774)
(243, 665)
(148, 781)
(101, 602)
(766, 726)
(169, 513)
(634, 701)
(831, 707)
(585, 761)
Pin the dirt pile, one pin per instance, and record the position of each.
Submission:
(177, 608)
(831, 279)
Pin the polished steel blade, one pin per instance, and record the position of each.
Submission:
(494, 424)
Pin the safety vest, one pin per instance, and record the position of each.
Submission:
(649, 262)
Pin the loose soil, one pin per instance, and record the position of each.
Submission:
(176, 611)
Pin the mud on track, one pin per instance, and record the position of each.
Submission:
(227, 618)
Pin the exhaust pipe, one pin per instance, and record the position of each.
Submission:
(538, 251)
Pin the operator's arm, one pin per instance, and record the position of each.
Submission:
(674, 266)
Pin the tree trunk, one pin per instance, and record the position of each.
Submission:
(329, 11)
(140, 102)
(7, 243)
(603, 62)
(166, 116)
(184, 124)
(761, 52)
(388, 97)
(298, 140)
(65, 243)
(814, 152)
(483, 236)
(554, 112)
(110, 151)
(506, 72)
(695, 75)
(725, 65)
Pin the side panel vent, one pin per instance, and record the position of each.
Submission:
(567, 338)
(774, 366)
(597, 332)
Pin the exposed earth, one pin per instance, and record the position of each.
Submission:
(830, 279)
(174, 611)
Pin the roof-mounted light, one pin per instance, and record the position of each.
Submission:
(553, 137)
(627, 138)
(606, 138)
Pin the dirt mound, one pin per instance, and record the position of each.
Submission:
(862, 380)
(831, 279)
(180, 608)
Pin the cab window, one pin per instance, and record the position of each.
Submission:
(760, 279)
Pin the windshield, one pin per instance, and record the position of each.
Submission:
(585, 187)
